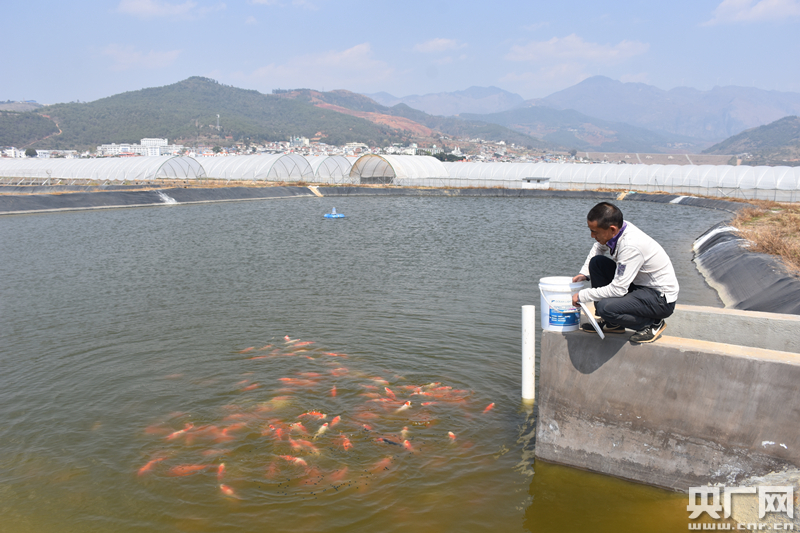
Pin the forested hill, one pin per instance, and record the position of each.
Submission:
(185, 111)
(777, 143)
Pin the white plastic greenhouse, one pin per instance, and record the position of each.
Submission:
(331, 169)
(104, 170)
(769, 183)
(273, 167)
(407, 170)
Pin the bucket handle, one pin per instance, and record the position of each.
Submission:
(566, 309)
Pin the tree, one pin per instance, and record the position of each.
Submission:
(30, 152)
(216, 149)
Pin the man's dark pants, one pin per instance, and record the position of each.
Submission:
(638, 309)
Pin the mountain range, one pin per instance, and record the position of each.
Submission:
(777, 143)
(681, 114)
(598, 114)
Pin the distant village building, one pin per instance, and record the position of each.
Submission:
(148, 147)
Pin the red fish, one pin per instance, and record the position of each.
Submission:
(334, 354)
(403, 407)
(335, 420)
(250, 387)
(366, 427)
(345, 442)
(306, 444)
(314, 414)
(227, 491)
(186, 470)
(265, 347)
(489, 407)
(180, 432)
(451, 435)
(258, 357)
(220, 470)
(383, 464)
(278, 432)
(305, 343)
(250, 349)
(149, 466)
(333, 391)
(390, 393)
(407, 446)
(272, 471)
(338, 475)
(292, 459)
(429, 403)
(299, 427)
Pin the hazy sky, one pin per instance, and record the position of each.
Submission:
(61, 52)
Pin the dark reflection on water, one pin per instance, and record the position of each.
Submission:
(117, 321)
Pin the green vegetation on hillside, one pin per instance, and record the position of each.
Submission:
(20, 129)
(777, 143)
(187, 111)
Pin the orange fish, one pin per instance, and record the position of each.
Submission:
(390, 393)
(338, 475)
(227, 491)
(383, 464)
(366, 427)
(334, 354)
(220, 470)
(180, 432)
(403, 407)
(407, 446)
(333, 391)
(305, 343)
(345, 442)
(272, 471)
(250, 387)
(186, 470)
(292, 459)
(278, 432)
(250, 349)
(335, 420)
(489, 407)
(314, 414)
(258, 357)
(307, 444)
(147, 467)
(429, 403)
(451, 435)
(299, 427)
(265, 347)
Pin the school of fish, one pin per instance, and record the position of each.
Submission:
(312, 427)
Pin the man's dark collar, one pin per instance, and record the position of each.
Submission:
(612, 242)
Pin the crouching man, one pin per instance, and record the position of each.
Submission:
(635, 287)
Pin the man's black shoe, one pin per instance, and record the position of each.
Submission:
(650, 333)
(607, 327)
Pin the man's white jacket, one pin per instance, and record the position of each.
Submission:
(640, 260)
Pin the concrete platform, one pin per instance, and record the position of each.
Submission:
(676, 413)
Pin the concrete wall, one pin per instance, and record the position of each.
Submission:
(771, 331)
(676, 413)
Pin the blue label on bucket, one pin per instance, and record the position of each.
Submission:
(564, 319)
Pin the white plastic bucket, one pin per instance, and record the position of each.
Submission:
(558, 314)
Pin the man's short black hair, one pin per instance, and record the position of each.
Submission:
(605, 215)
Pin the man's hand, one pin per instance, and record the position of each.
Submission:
(579, 277)
(575, 300)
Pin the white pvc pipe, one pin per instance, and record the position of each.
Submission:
(528, 352)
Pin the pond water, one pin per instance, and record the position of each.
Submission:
(167, 368)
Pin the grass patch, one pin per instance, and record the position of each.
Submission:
(773, 228)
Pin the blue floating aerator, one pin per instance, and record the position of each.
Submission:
(333, 214)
